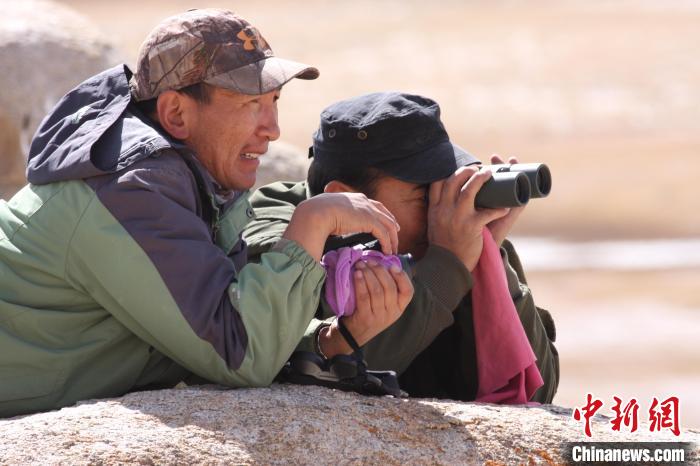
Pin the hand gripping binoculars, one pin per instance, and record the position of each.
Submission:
(514, 185)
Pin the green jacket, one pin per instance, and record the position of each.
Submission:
(432, 344)
(122, 266)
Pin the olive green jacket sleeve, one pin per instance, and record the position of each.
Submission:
(537, 323)
(141, 250)
(88, 311)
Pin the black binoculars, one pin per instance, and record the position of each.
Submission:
(514, 185)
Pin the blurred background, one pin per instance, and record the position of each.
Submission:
(606, 93)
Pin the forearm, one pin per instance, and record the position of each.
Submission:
(276, 313)
(236, 331)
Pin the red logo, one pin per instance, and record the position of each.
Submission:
(626, 416)
(662, 415)
(666, 417)
(588, 411)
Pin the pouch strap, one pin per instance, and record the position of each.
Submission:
(349, 338)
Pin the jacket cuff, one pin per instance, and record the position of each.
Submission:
(294, 251)
(444, 275)
(307, 342)
(511, 276)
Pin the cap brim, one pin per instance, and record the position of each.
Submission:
(433, 164)
(263, 76)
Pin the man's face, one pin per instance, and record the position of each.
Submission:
(229, 132)
(407, 202)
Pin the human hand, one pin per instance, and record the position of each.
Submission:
(381, 296)
(501, 226)
(340, 214)
(453, 221)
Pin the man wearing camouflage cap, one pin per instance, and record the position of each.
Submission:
(121, 263)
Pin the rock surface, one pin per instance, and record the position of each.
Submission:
(287, 424)
(282, 162)
(45, 50)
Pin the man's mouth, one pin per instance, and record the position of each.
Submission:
(250, 155)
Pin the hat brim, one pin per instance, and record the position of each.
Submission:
(263, 76)
(433, 164)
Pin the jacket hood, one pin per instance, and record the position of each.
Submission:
(93, 131)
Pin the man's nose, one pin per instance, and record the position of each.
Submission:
(269, 126)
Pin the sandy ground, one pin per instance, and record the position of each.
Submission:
(604, 92)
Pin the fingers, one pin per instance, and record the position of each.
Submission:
(496, 159)
(384, 212)
(362, 300)
(404, 286)
(472, 187)
(453, 185)
(387, 235)
(361, 214)
(435, 193)
(388, 285)
(375, 289)
(381, 295)
(486, 216)
(387, 228)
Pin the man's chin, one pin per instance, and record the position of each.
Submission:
(243, 184)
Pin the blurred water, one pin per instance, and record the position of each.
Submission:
(660, 254)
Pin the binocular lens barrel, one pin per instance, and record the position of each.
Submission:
(539, 176)
(504, 190)
(514, 185)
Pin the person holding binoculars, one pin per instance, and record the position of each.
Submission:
(394, 148)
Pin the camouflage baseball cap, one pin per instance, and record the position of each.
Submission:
(213, 46)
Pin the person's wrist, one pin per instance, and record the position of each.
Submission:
(310, 211)
(458, 253)
(331, 342)
(308, 229)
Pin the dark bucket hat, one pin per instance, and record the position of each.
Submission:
(401, 134)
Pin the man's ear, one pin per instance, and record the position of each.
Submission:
(171, 107)
(336, 186)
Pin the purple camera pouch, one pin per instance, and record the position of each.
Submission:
(339, 265)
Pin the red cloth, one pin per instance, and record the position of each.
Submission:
(505, 361)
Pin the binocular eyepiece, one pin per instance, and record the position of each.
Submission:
(514, 185)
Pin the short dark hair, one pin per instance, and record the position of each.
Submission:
(200, 92)
(361, 178)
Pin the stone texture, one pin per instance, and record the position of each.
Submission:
(282, 162)
(287, 424)
(45, 50)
